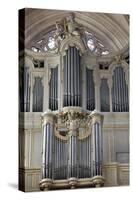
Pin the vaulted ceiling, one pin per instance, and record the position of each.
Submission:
(112, 29)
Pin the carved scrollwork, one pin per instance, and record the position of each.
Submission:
(58, 135)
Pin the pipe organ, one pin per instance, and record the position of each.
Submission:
(72, 150)
(90, 89)
(53, 89)
(72, 142)
(120, 101)
(72, 77)
(59, 159)
(104, 96)
(25, 89)
(76, 156)
(38, 95)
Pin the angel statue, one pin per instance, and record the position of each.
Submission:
(72, 26)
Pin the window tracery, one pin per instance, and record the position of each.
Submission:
(51, 41)
(95, 45)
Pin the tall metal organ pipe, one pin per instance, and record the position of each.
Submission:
(47, 155)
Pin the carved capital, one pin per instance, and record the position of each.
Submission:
(96, 117)
(48, 117)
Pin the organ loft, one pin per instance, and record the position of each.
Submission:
(73, 100)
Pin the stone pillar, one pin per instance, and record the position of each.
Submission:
(48, 127)
(97, 145)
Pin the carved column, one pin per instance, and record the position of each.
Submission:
(47, 126)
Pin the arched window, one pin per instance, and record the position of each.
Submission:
(104, 96)
(90, 89)
(120, 101)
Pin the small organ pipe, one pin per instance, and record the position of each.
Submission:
(97, 149)
(94, 152)
(67, 79)
(71, 74)
(57, 90)
(89, 155)
(120, 87)
(77, 78)
(46, 158)
(75, 73)
(44, 150)
(123, 95)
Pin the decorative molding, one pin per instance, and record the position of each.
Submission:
(96, 117)
(72, 41)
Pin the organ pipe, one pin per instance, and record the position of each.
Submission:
(75, 77)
